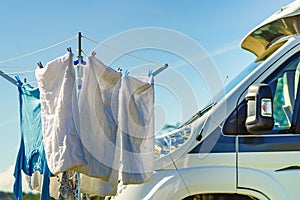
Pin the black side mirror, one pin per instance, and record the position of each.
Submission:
(259, 109)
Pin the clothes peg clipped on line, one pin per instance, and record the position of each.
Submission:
(150, 72)
(126, 72)
(18, 80)
(69, 49)
(76, 62)
(40, 65)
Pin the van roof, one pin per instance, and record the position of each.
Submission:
(285, 22)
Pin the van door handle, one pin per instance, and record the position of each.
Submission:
(295, 167)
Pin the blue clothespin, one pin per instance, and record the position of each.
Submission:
(18, 80)
(126, 72)
(82, 61)
(149, 73)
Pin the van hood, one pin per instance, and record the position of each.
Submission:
(263, 40)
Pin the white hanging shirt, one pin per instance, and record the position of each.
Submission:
(98, 187)
(136, 123)
(98, 107)
(60, 115)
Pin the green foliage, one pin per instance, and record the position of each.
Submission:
(26, 196)
(170, 127)
(6, 196)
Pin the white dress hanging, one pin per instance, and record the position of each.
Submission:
(60, 115)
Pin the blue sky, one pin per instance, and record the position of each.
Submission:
(217, 25)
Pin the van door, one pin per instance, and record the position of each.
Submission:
(269, 163)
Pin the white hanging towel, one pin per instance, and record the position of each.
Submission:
(136, 123)
(98, 187)
(60, 115)
(98, 107)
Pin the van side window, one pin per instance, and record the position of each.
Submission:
(284, 85)
(281, 111)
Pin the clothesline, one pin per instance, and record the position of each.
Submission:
(14, 67)
(20, 73)
(97, 155)
(10, 79)
(37, 51)
(72, 38)
(117, 50)
(130, 168)
(31, 73)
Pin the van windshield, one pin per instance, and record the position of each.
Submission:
(228, 87)
(168, 142)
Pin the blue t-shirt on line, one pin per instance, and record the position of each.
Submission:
(31, 155)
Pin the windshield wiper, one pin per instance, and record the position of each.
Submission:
(199, 114)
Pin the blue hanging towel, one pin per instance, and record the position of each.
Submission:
(31, 155)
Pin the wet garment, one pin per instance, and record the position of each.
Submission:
(60, 115)
(111, 105)
(31, 156)
(98, 187)
(136, 123)
(98, 107)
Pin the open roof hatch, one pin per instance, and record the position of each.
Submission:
(265, 38)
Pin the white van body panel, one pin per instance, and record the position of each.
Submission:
(165, 184)
(265, 169)
(209, 179)
(191, 169)
(265, 173)
(168, 184)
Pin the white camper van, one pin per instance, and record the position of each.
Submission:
(246, 144)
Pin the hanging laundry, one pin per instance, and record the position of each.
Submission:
(109, 105)
(65, 188)
(105, 111)
(98, 187)
(31, 155)
(136, 123)
(60, 115)
(60, 186)
(98, 107)
(95, 109)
